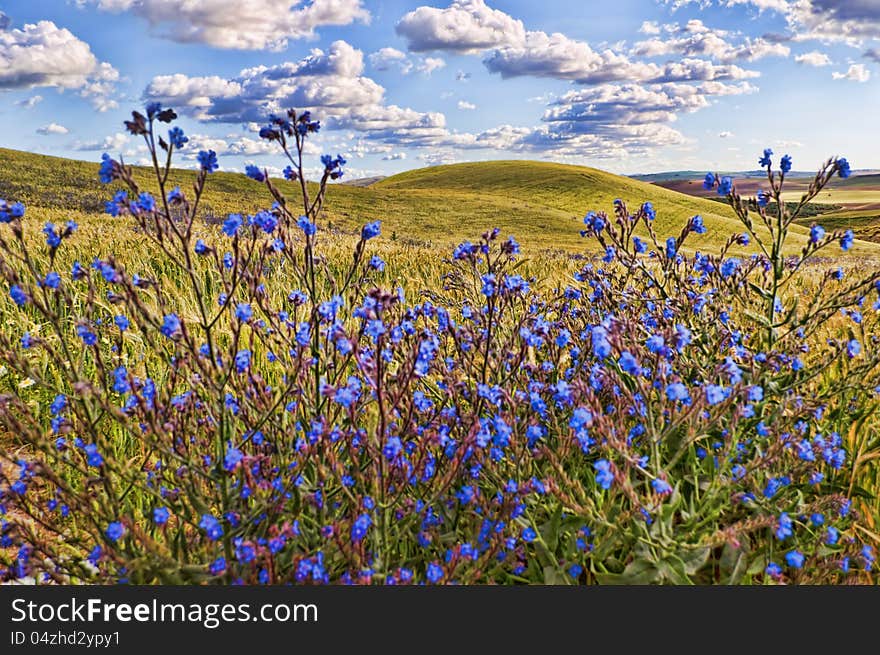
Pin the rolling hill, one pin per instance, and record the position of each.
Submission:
(542, 204)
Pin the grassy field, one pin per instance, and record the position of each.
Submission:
(423, 212)
(542, 204)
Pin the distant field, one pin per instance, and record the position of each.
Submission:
(853, 203)
(542, 204)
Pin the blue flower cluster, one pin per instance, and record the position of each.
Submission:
(298, 423)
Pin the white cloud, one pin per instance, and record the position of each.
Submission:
(112, 144)
(330, 83)
(396, 156)
(814, 58)
(29, 103)
(725, 135)
(695, 39)
(5, 21)
(557, 56)
(239, 24)
(855, 73)
(193, 94)
(464, 105)
(835, 20)
(472, 27)
(466, 26)
(438, 158)
(52, 128)
(826, 20)
(45, 55)
(430, 64)
(386, 59)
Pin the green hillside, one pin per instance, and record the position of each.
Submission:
(560, 195)
(543, 204)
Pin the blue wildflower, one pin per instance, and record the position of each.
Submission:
(109, 170)
(19, 297)
(785, 164)
(794, 559)
(243, 312)
(853, 348)
(371, 230)
(784, 527)
(115, 531)
(208, 161)
(93, 457)
(604, 474)
(161, 515)
(434, 573)
(306, 226)
(177, 138)
(677, 392)
(232, 224)
(170, 325)
(360, 527)
(212, 527)
(242, 360)
(254, 173)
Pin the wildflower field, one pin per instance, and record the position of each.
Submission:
(271, 382)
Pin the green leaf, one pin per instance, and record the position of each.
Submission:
(553, 576)
(694, 559)
(672, 569)
(734, 563)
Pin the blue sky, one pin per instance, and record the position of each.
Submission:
(624, 85)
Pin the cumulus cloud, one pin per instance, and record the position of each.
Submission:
(696, 39)
(846, 20)
(466, 27)
(395, 156)
(725, 135)
(464, 105)
(45, 55)
(855, 73)
(330, 83)
(440, 158)
(429, 64)
(620, 120)
(826, 20)
(815, 58)
(113, 143)
(52, 128)
(472, 27)
(5, 21)
(386, 59)
(29, 103)
(239, 24)
(557, 56)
